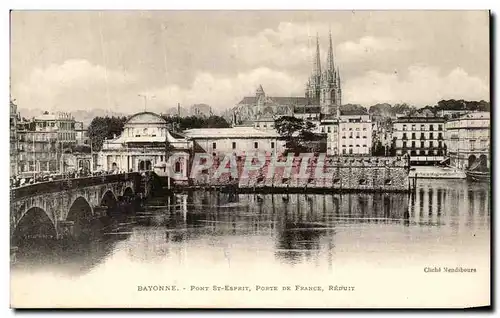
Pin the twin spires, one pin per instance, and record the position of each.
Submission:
(324, 87)
(331, 72)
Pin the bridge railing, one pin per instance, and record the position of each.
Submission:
(68, 184)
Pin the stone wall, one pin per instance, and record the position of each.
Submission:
(339, 173)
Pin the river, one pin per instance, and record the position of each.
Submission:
(381, 248)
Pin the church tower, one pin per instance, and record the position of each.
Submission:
(260, 98)
(330, 84)
(323, 87)
(314, 84)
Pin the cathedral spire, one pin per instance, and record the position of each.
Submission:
(330, 63)
(317, 60)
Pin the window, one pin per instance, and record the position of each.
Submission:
(364, 128)
(388, 182)
(322, 129)
(440, 144)
(357, 135)
(329, 129)
(177, 166)
(350, 151)
(413, 144)
(350, 128)
(422, 152)
(472, 144)
(422, 127)
(422, 136)
(431, 144)
(357, 146)
(256, 145)
(344, 151)
(413, 127)
(404, 144)
(214, 145)
(350, 135)
(343, 145)
(234, 145)
(362, 181)
(272, 144)
(334, 128)
(440, 127)
(364, 146)
(440, 136)
(422, 144)
(431, 136)
(413, 136)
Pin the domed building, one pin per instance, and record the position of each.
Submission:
(143, 146)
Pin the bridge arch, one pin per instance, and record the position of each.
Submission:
(109, 199)
(34, 222)
(80, 213)
(128, 192)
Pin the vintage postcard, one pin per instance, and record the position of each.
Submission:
(250, 159)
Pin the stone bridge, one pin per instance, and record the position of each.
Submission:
(55, 208)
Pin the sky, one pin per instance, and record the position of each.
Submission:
(80, 60)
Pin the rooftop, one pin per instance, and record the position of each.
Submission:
(250, 100)
(235, 132)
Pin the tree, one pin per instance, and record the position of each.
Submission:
(378, 149)
(298, 134)
(102, 128)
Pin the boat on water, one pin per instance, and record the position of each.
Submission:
(478, 171)
(483, 176)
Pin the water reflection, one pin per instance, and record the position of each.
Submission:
(292, 229)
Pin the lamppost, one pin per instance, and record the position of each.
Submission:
(146, 99)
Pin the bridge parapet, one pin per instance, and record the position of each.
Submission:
(71, 184)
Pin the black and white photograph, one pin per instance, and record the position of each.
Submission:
(250, 159)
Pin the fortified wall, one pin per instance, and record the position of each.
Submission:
(341, 173)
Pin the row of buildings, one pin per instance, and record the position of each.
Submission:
(39, 144)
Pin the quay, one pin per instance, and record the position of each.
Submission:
(428, 172)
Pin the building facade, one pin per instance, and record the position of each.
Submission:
(422, 138)
(43, 140)
(468, 141)
(348, 133)
(145, 144)
(82, 136)
(237, 141)
(14, 142)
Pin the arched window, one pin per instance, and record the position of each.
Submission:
(178, 166)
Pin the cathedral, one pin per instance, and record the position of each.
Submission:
(323, 95)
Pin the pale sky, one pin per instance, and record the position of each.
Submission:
(89, 59)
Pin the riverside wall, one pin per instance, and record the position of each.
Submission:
(342, 173)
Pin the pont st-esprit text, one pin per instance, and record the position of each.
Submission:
(263, 288)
